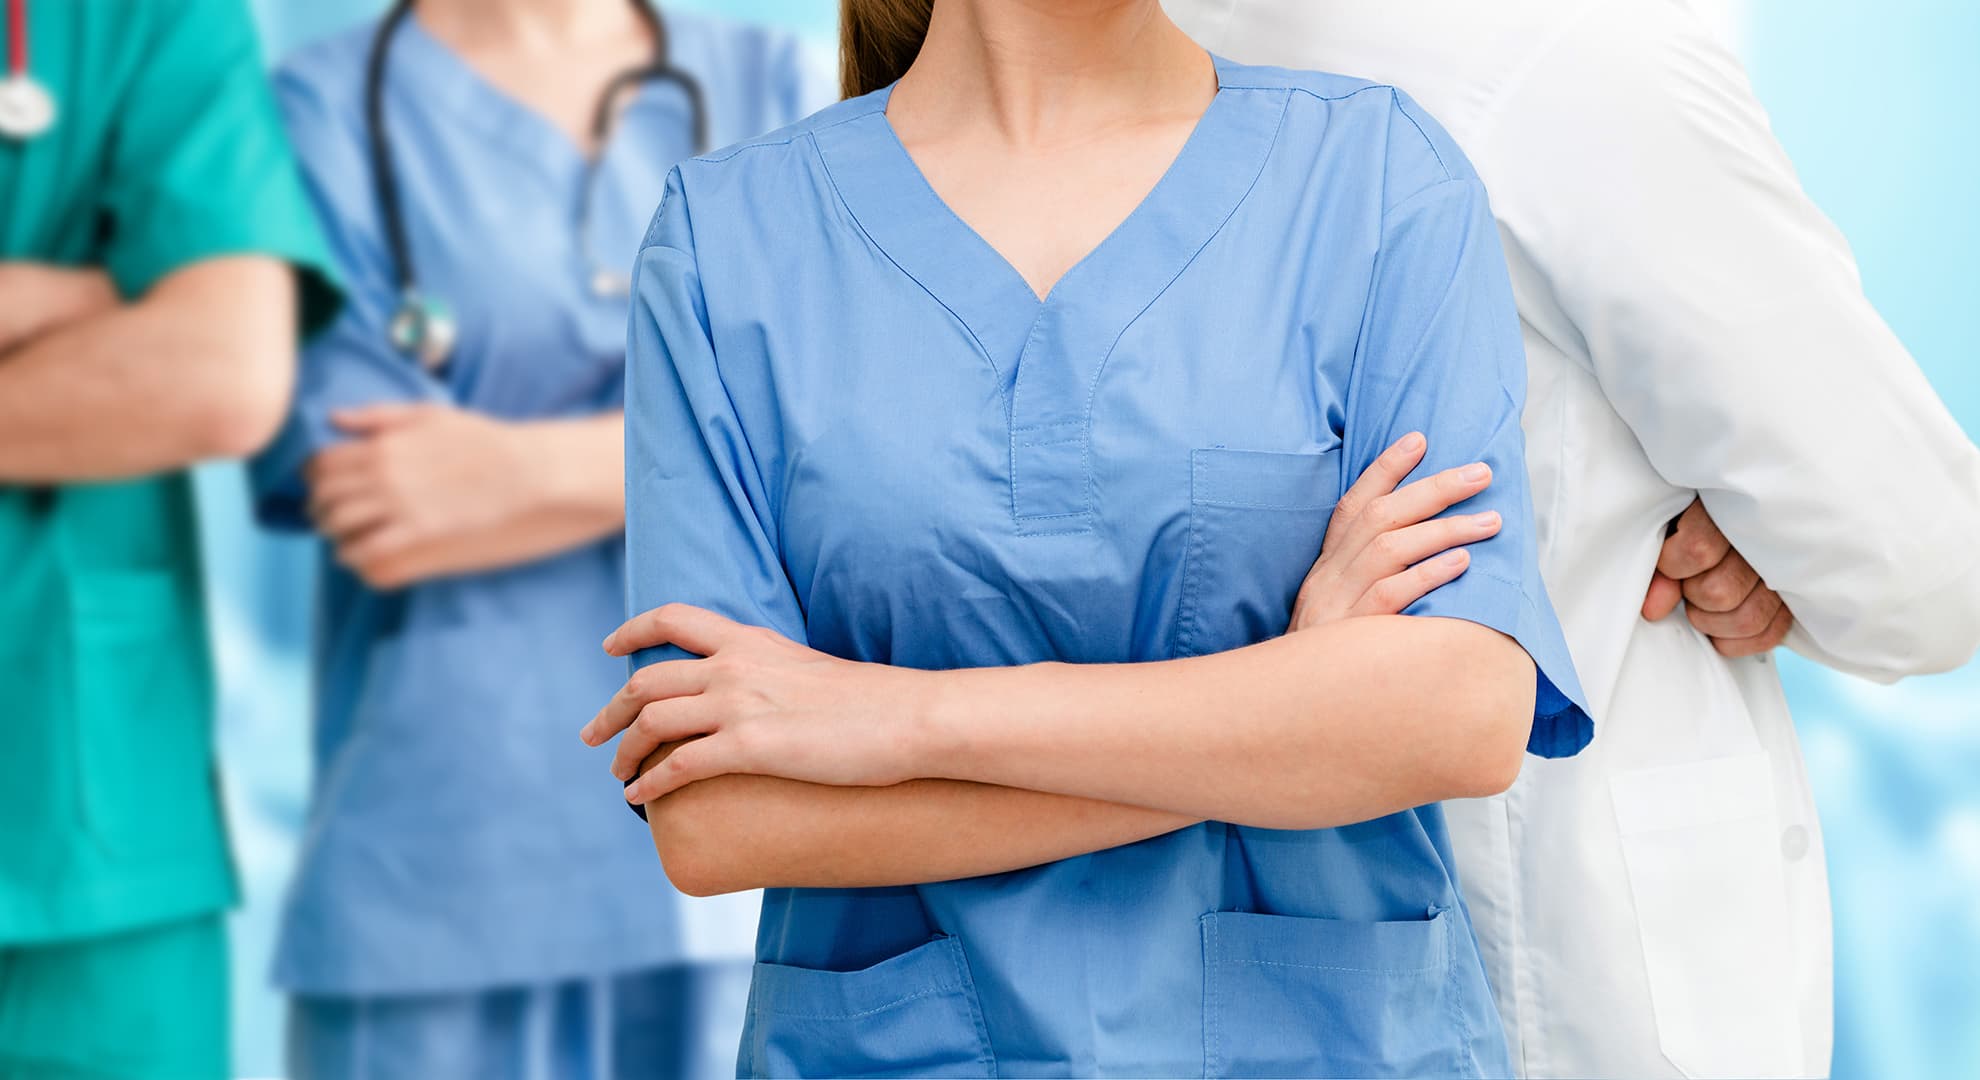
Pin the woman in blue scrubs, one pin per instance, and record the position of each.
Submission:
(982, 430)
(472, 502)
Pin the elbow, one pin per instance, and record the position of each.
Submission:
(1493, 723)
(692, 853)
(248, 405)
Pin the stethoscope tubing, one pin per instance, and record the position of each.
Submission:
(384, 171)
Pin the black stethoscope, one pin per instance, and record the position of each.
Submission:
(423, 327)
(26, 107)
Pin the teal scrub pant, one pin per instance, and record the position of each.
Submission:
(149, 1003)
(682, 1021)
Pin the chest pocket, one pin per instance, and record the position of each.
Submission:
(1256, 519)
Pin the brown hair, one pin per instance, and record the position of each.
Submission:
(878, 39)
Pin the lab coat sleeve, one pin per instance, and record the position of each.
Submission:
(1637, 178)
(698, 525)
(1440, 353)
(352, 362)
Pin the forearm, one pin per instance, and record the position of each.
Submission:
(1338, 724)
(573, 474)
(198, 368)
(746, 832)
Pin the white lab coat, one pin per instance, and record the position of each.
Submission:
(1658, 906)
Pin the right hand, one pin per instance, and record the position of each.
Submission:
(1385, 547)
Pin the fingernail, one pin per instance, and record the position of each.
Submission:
(1475, 471)
(584, 735)
(1455, 558)
(1411, 441)
(1487, 520)
(609, 638)
(621, 773)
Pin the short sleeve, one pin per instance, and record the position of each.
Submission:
(352, 362)
(698, 529)
(198, 165)
(1440, 353)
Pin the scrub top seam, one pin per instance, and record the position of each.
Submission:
(1093, 384)
(981, 349)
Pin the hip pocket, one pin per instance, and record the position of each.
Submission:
(1287, 996)
(1702, 844)
(915, 1014)
(142, 711)
(1256, 520)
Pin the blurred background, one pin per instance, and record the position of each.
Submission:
(1875, 103)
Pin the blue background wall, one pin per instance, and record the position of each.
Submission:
(1878, 106)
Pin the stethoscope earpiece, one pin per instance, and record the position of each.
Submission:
(424, 330)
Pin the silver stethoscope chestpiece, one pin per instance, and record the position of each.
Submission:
(424, 329)
(608, 285)
(26, 108)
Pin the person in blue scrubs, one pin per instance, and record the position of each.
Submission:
(975, 562)
(473, 510)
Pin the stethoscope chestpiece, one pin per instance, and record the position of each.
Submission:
(26, 109)
(424, 330)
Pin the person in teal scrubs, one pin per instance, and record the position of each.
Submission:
(983, 431)
(157, 256)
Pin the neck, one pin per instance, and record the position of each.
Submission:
(1040, 70)
(527, 24)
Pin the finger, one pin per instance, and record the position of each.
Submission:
(1381, 477)
(344, 459)
(1395, 593)
(1765, 641)
(343, 519)
(695, 629)
(701, 759)
(1724, 587)
(1399, 549)
(1415, 502)
(338, 485)
(1749, 619)
(1694, 546)
(380, 557)
(658, 723)
(382, 416)
(1662, 597)
(654, 682)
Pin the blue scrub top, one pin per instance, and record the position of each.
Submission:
(458, 837)
(850, 420)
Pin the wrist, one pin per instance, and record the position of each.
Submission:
(937, 723)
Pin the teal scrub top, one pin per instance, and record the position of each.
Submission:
(166, 150)
(851, 421)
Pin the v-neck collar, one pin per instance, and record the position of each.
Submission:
(1050, 352)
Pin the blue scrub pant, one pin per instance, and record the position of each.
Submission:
(682, 1021)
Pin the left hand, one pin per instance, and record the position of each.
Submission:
(413, 483)
(756, 702)
(1722, 593)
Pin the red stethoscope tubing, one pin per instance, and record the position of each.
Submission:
(17, 38)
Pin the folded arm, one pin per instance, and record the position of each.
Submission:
(198, 367)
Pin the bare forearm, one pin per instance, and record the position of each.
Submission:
(1330, 726)
(745, 832)
(198, 368)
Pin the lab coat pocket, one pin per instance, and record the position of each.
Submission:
(141, 715)
(915, 1014)
(1287, 996)
(1702, 843)
(1256, 519)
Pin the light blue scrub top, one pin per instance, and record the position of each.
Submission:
(851, 421)
(458, 836)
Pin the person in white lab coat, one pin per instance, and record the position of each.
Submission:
(1695, 330)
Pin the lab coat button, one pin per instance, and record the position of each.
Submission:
(1794, 842)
